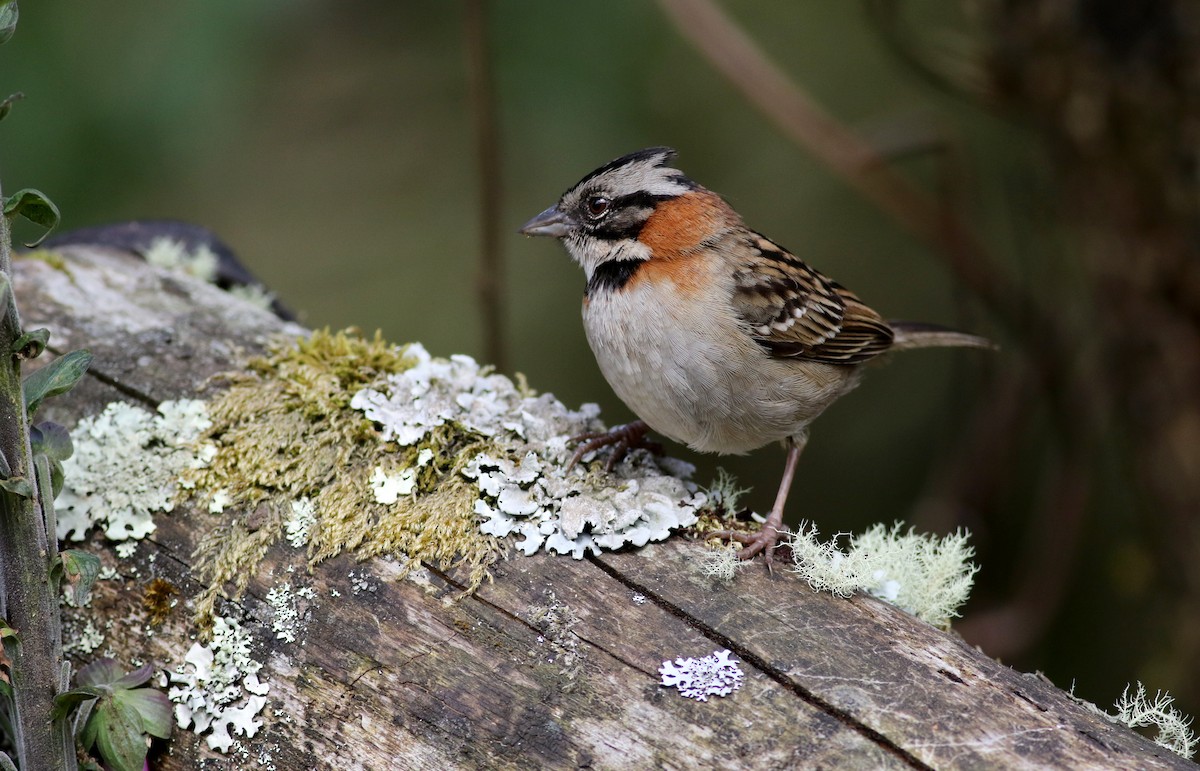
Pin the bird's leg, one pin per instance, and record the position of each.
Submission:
(622, 438)
(767, 537)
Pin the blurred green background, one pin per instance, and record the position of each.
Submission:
(332, 146)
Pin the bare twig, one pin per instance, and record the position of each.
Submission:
(731, 51)
(490, 279)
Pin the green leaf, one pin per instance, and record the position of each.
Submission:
(69, 700)
(139, 676)
(6, 763)
(7, 104)
(152, 706)
(80, 569)
(31, 344)
(102, 671)
(34, 206)
(5, 293)
(51, 439)
(6, 630)
(57, 377)
(8, 20)
(18, 486)
(118, 734)
(82, 716)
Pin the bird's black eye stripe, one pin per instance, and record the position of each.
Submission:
(612, 275)
(625, 215)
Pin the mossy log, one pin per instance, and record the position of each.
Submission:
(554, 663)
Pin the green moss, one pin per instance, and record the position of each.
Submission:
(284, 429)
(50, 257)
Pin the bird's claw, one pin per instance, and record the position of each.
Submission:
(765, 540)
(621, 438)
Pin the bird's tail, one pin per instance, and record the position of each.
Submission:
(912, 334)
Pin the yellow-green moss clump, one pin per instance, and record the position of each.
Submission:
(284, 431)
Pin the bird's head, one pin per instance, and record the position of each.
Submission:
(600, 218)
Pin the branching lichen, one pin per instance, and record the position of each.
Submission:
(1172, 727)
(922, 574)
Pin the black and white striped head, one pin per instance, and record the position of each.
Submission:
(600, 217)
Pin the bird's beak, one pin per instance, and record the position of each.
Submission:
(551, 222)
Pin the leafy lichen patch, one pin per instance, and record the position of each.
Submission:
(217, 690)
(126, 467)
(518, 468)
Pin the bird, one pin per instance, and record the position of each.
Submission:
(714, 335)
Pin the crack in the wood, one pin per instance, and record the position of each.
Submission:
(532, 627)
(128, 390)
(369, 670)
(1028, 700)
(956, 679)
(607, 652)
(839, 714)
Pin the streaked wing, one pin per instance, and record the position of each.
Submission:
(794, 311)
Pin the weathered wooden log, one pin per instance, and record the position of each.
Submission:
(555, 663)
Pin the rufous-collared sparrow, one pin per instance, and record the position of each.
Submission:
(714, 335)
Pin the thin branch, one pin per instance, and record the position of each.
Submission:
(490, 280)
(735, 55)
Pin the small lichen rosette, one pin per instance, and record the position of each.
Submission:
(713, 675)
(524, 488)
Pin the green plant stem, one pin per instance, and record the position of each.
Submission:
(29, 601)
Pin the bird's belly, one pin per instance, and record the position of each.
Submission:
(727, 397)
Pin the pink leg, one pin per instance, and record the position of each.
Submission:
(767, 537)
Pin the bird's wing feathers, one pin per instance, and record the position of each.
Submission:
(793, 311)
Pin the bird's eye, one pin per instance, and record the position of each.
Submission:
(597, 205)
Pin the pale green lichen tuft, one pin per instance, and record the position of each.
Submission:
(720, 562)
(1172, 727)
(174, 255)
(285, 432)
(921, 574)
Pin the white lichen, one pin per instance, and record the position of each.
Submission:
(125, 468)
(255, 294)
(286, 616)
(221, 694)
(523, 485)
(174, 255)
(202, 263)
(300, 522)
(922, 574)
(721, 563)
(84, 641)
(724, 494)
(387, 488)
(1173, 728)
(713, 675)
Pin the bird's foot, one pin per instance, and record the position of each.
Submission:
(621, 438)
(764, 541)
